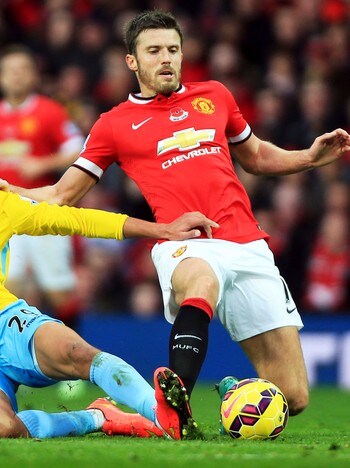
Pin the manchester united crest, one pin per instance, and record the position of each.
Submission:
(180, 251)
(203, 105)
(28, 126)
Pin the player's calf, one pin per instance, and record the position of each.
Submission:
(297, 401)
(12, 427)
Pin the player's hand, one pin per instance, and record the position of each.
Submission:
(329, 147)
(189, 226)
(4, 185)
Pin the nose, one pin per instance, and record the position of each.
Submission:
(165, 56)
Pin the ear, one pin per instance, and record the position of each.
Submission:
(131, 62)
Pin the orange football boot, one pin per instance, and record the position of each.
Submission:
(119, 422)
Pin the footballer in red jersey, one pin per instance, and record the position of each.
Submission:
(176, 150)
(36, 130)
(37, 139)
(173, 140)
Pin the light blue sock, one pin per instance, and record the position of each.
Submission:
(123, 383)
(42, 425)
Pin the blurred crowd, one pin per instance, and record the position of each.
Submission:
(287, 64)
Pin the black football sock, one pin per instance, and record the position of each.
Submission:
(188, 344)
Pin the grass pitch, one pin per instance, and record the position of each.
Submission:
(320, 437)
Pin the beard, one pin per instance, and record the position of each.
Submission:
(153, 82)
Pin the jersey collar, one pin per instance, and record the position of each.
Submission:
(136, 98)
(26, 105)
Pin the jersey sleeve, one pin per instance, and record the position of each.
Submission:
(26, 216)
(98, 152)
(237, 129)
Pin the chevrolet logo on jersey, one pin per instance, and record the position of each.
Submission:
(185, 140)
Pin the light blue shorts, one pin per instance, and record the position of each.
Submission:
(18, 364)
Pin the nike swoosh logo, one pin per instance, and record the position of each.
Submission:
(286, 292)
(177, 336)
(228, 410)
(136, 126)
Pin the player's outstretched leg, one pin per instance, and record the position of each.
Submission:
(222, 388)
(173, 412)
(118, 422)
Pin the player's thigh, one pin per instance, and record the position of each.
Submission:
(52, 262)
(10, 424)
(194, 277)
(277, 356)
(198, 272)
(61, 353)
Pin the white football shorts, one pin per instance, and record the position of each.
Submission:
(48, 257)
(253, 297)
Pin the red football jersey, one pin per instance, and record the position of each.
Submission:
(38, 127)
(176, 150)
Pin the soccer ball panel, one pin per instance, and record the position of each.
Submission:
(254, 409)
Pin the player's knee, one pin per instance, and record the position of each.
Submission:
(206, 287)
(298, 401)
(209, 283)
(80, 356)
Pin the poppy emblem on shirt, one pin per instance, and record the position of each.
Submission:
(179, 251)
(203, 105)
(177, 114)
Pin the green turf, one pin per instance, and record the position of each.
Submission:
(320, 437)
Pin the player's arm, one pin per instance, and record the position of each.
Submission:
(26, 216)
(71, 187)
(36, 219)
(33, 167)
(185, 227)
(263, 158)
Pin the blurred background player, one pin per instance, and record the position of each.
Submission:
(37, 142)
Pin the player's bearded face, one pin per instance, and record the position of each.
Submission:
(163, 80)
(158, 61)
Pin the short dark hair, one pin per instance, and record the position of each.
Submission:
(15, 49)
(150, 19)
